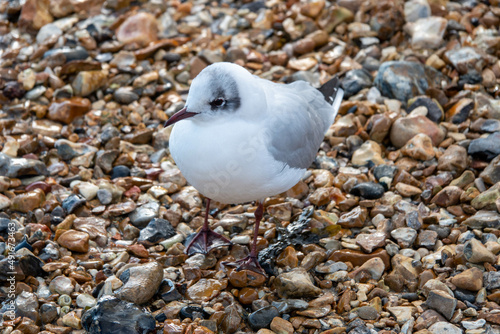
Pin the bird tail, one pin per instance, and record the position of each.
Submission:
(332, 92)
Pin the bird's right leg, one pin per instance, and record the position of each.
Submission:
(206, 239)
(251, 262)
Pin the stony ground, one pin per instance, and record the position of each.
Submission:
(394, 228)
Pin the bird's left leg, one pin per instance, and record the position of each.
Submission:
(251, 262)
(206, 239)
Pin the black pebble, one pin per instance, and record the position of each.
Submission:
(192, 312)
(368, 190)
(120, 171)
(262, 318)
(73, 202)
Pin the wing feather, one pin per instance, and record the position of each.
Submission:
(301, 118)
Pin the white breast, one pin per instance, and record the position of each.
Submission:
(227, 161)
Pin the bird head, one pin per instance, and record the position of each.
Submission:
(215, 91)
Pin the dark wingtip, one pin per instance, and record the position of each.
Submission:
(329, 89)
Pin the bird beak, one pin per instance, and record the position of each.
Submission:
(180, 115)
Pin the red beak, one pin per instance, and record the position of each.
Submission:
(180, 115)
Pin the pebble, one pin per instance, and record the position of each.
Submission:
(141, 28)
(368, 154)
(476, 252)
(485, 148)
(61, 285)
(102, 317)
(28, 202)
(442, 302)
(444, 327)
(367, 313)
(157, 230)
(143, 214)
(87, 82)
(356, 80)
(368, 190)
(470, 279)
(405, 236)
(296, 284)
(395, 79)
(263, 317)
(120, 171)
(48, 312)
(406, 128)
(205, 289)
(419, 147)
(428, 32)
(369, 242)
(434, 110)
(67, 111)
(140, 282)
(26, 304)
(74, 240)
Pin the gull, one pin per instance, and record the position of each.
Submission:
(241, 138)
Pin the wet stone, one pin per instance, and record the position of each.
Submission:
(87, 82)
(75, 241)
(262, 318)
(205, 289)
(356, 80)
(367, 313)
(120, 171)
(466, 59)
(103, 318)
(66, 111)
(48, 312)
(17, 167)
(68, 150)
(368, 190)
(296, 284)
(73, 202)
(69, 53)
(406, 128)
(485, 148)
(405, 236)
(157, 229)
(434, 110)
(144, 214)
(369, 242)
(28, 202)
(470, 279)
(396, 79)
(444, 327)
(419, 147)
(140, 282)
(354, 218)
(192, 312)
(27, 305)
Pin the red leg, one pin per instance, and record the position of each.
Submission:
(206, 239)
(251, 262)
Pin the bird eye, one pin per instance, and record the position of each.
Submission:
(218, 103)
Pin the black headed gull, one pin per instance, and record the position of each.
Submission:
(243, 138)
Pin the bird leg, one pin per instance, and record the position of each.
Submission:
(251, 262)
(206, 239)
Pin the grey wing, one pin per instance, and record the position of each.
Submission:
(302, 117)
